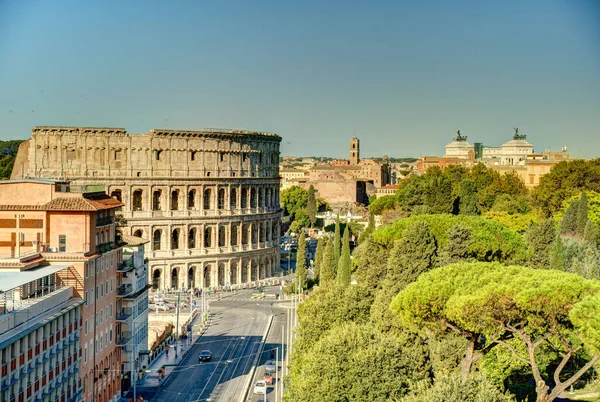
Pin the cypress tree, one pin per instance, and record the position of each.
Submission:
(468, 198)
(321, 245)
(336, 240)
(327, 274)
(540, 238)
(371, 225)
(311, 206)
(301, 261)
(582, 213)
(569, 222)
(557, 254)
(343, 272)
(457, 247)
(589, 233)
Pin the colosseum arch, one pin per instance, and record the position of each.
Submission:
(157, 239)
(156, 197)
(207, 198)
(137, 201)
(233, 272)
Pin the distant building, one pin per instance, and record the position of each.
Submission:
(511, 153)
(389, 189)
(460, 148)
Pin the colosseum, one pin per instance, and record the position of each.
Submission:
(207, 200)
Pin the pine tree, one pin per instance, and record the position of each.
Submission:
(590, 235)
(582, 213)
(457, 247)
(311, 206)
(557, 254)
(540, 238)
(468, 198)
(344, 269)
(301, 261)
(569, 222)
(321, 245)
(327, 274)
(336, 240)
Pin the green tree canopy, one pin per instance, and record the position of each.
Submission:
(328, 265)
(540, 238)
(311, 206)
(292, 199)
(336, 240)
(356, 363)
(489, 303)
(321, 245)
(566, 179)
(467, 195)
(381, 204)
(458, 248)
(344, 268)
(301, 275)
(475, 388)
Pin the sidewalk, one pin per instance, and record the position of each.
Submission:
(171, 358)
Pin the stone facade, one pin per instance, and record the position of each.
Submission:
(207, 200)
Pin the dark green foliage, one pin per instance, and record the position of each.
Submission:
(357, 363)
(455, 389)
(557, 254)
(492, 241)
(511, 204)
(336, 241)
(564, 181)
(343, 271)
(569, 223)
(582, 213)
(321, 245)
(590, 235)
(540, 238)
(458, 246)
(293, 199)
(468, 198)
(412, 255)
(382, 204)
(372, 264)
(311, 206)
(301, 262)
(8, 152)
(328, 265)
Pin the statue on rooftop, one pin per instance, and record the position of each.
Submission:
(459, 137)
(518, 136)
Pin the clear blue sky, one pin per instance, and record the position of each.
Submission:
(404, 74)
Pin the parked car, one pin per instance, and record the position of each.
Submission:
(162, 306)
(260, 387)
(157, 298)
(205, 356)
(268, 379)
(270, 366)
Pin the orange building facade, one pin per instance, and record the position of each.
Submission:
(62, 225)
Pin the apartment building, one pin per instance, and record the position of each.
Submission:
(132, 309)
(60, 224)
(40, 326)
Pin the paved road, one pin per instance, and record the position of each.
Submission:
(234, 338)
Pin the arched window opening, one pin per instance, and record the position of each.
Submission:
(191, 199)
(244, 197)
(221, 198)
(117, 194)
(261, 197)
(208, 237)
(175, 239)
(222, 236)
(156, 239)
(156, 200)
(174, 200)
(138, 233)
(207, 196)
(245, 230)
(192, 238)
(234, 235)
(233, 199)
(253, 198)
(137, 200)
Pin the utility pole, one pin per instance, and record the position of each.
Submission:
(284, 365)
(191, 331)
(134, 365)
(177, 326)
(276, 372)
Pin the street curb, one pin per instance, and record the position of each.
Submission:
(262, 348)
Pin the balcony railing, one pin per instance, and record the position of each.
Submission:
(124, 290)
(125, 266)
(104, 247)
(107, 220)
(124, 314)
(124, 338)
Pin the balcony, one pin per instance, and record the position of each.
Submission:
(107, 220)
(104, 247)
(126, 266)
(124, 338)
(125, 313)
(124, 290)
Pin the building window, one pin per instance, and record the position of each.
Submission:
(92, 296)
(193, 155)
(221, 199)
(233, 199)
(156, 239)
(191, 199)
(192, 238)
(208, 237)
(156, 200)
(62, 243)
(86, 327)
(137, 200)
(86, 297)
(174, 200)
(207, 195)
(175, 239)
(158, 154)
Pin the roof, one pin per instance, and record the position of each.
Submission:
(518, 143)
(134, 240)
(97, 203)
(390, 186)
(11, 280)
(459, 144)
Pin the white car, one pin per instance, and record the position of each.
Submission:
(260, 387)
(157, 298)
(160, 306)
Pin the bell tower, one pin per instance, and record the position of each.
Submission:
(354, 150)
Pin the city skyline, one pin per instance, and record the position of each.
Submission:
(404, 76)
